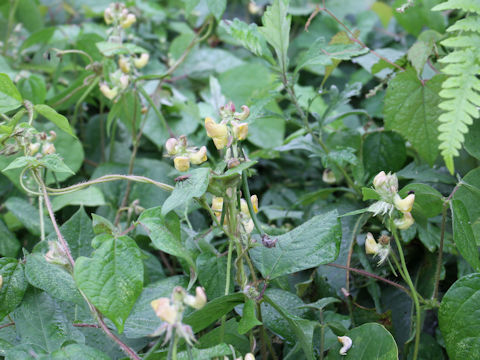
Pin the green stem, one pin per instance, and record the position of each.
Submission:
(322, 335)
(82, 98)
(438, 270)
(172, 349)
(42, 220)
(412, 289)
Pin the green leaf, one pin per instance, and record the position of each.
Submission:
(78, 233)
(10, 98)
(418, 55)
(248, 36)
(213, 311)
(28, 215)
(13, 287)
(59, 120)
(230, 336)
(249, 319)
(91, 196)
(101, 225)
(419, 15)
(165, 233)
(55, 163)
(112, 278)
(302, 328)
(370, 194)
(78, 352)
(371, 341)
(458, 318)
(212, 274)
(33, 89)
(471, 144)
(276, 30)
(217, 7)
(411, 109)
(313, 243)
(322, 303)
(51, 278)
(383, 151)
(463, 234)
(142, 320)
(184, 191)
(40, 321)
(469, 195)
(9, 245)
(215, 352)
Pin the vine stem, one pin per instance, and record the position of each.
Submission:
(418, 324)
(356, 228)
(438, 270)
(130, 352)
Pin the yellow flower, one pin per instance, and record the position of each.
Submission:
(240, 130)
(217, 205)
(371, 246)
(404, 205)
(199, 157)
(1, 281)
(254, 200)
(48, 149)
(124, 65)
(141, 61)
(218, 132)
(165, 310)
(405, 222)
(108, 16)
(182, 163)
(33, 148)
(129, 21)
(109, 93)
(198, 301)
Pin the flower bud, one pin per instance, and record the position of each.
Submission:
(240, 130)
(108, 16)
(404, 205)
(380, 179)
(405, 222)
(165, 310)
(254, 200)
(109, 93)
(346, 342)
(129, 21)
(124, 65)
(1, 281)
(171, 146)
(124, 81)
(249, 356)
(199, 157)
(33, 148)
(233, 162)
(218, 132)
(253, 8)
(53, 136)
(328, 177)
(244, 114)
(198, 301)
(48, 149)
(244, 207)
(182, 163)
(371, 246)
(141, 61)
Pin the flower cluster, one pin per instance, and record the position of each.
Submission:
(118, 16)
(231, 128)
(183, 155)
(43, 141)
(170, 311)
(380, 249)
(386, 186)
(245, 218)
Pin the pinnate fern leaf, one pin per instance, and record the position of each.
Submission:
(461, 90)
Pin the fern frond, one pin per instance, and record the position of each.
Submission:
(461, 90)
(472, 23)
(465, 5)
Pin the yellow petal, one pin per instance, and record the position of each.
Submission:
(404, 205)
(182, 163)
(371, 246)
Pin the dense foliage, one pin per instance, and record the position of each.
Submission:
(203, 179)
